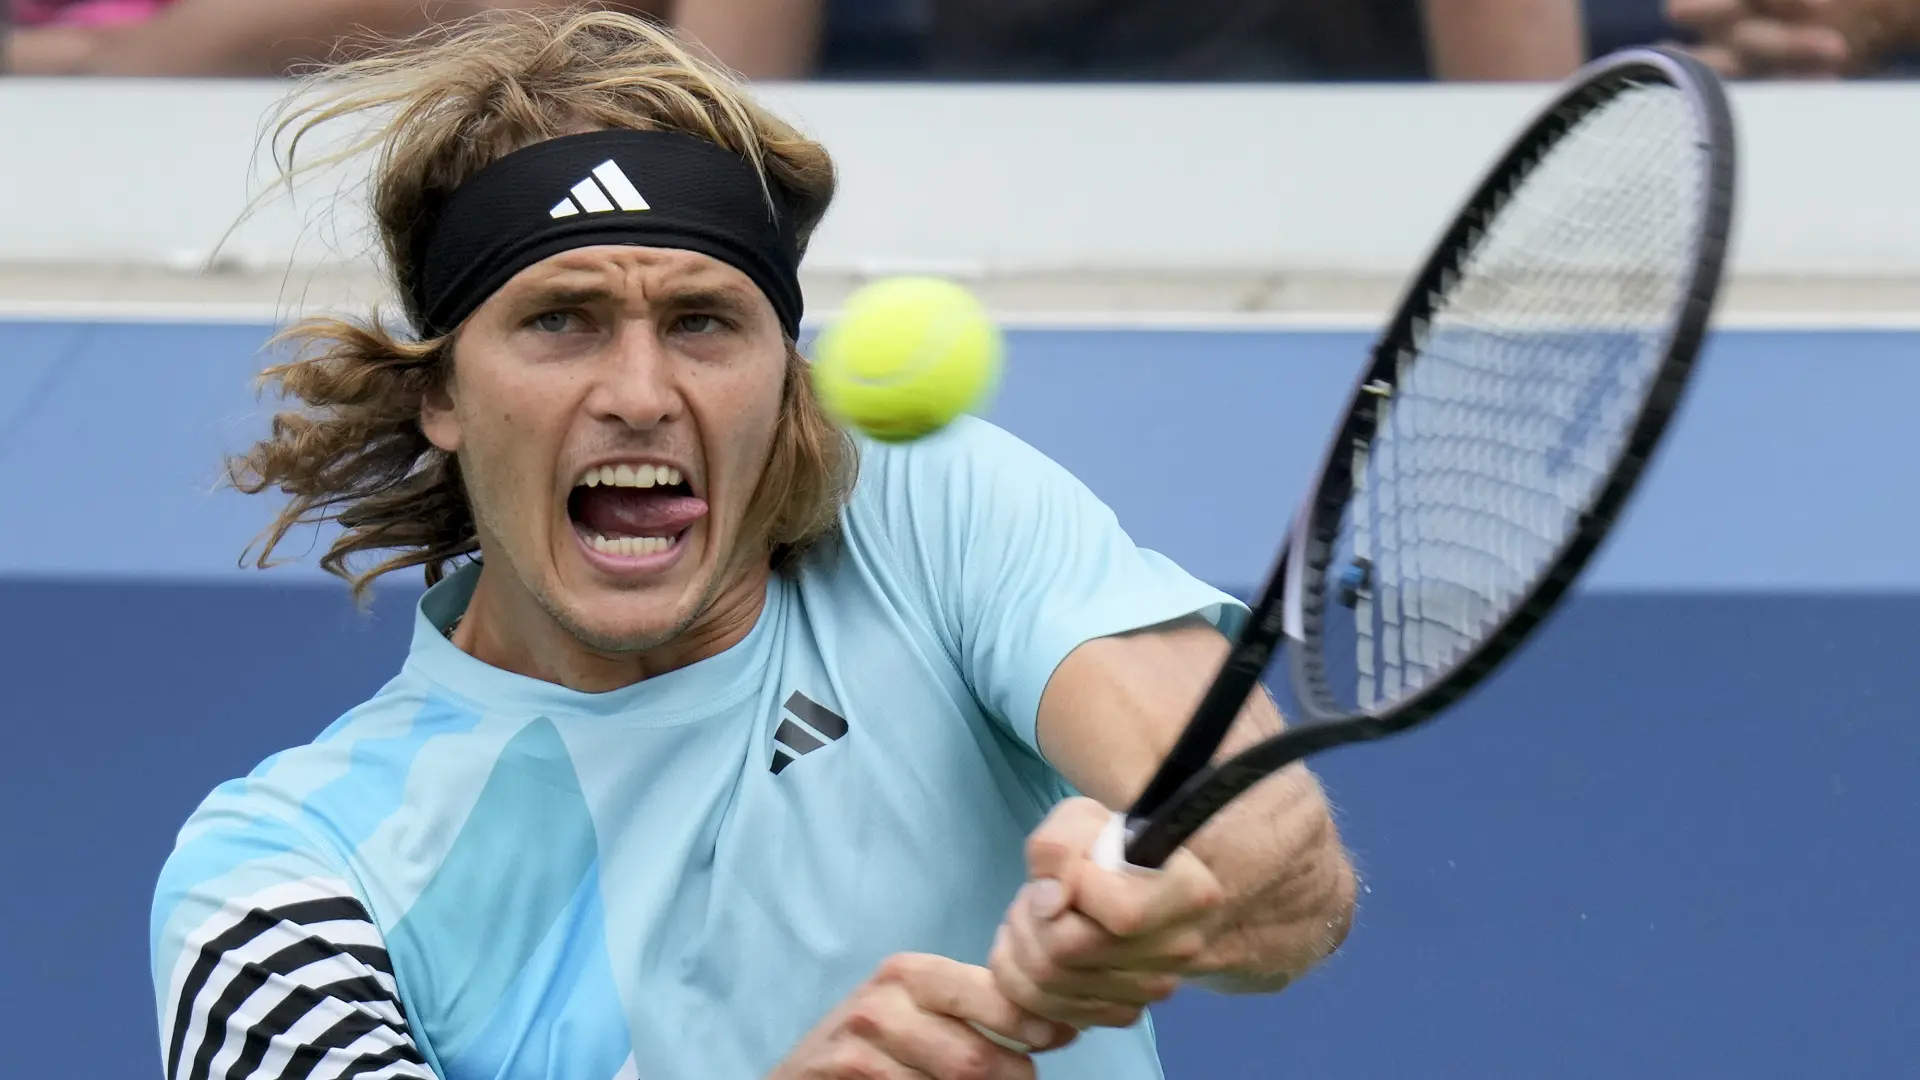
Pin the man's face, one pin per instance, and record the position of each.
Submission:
(613, 408)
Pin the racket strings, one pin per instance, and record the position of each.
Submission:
(1516, 396)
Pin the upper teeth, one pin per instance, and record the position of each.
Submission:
(631, 476)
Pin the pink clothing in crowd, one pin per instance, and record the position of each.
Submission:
(83, 12)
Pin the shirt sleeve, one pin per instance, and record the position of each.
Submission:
(266, 964)
(1017, 561)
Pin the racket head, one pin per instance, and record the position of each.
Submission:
(1584, 450)
(1517, 396)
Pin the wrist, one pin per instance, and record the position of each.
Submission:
(1271, 937)
(1241, 960)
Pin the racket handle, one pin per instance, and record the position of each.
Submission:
(995, 1037)
(1110, 847)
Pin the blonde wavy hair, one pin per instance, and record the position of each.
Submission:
(435, 110)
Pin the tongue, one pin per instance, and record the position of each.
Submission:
(611, 511)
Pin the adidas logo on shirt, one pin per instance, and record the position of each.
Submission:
(605, 190)
(796, 740)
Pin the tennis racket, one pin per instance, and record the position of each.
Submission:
(1499, 427)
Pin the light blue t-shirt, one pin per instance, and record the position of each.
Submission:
(482, 876)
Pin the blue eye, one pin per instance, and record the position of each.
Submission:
(554, 322)
(698, 324)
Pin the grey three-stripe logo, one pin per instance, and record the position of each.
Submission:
(796, 740)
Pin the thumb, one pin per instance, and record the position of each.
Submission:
(1058, 851)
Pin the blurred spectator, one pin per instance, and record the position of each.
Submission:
(1799, 38)
(1250, 40)
(794, 39)
(1499, 40)
(1617, 24)
(1142, 39)
(217, 37)
(1260, 39)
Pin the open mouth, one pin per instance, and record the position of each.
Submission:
(633, 511)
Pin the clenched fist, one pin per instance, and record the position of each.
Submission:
(1089, 945)
(921, 1017)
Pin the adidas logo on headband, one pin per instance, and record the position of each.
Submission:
(606, 189)
(701, 197)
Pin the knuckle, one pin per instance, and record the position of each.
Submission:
(947, 999)
(1209, 894)
(1126, 920)
(1000, 957)
(1187, 947)
(897, 968)
(854, 1061)
(1024, 995)
(864, 1020)
(1042, 846)
(976, 1061)
(1044, 969)
(1160, 987)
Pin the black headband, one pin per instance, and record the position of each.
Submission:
(650, 188)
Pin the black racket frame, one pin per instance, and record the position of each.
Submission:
(1187, 791)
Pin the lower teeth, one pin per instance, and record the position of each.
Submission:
(631, 545)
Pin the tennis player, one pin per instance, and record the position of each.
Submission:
(727, 746)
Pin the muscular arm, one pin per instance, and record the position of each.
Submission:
(1110, 713)
(235, 37)
(1497, 40)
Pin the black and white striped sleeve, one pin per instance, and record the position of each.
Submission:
(287, 980)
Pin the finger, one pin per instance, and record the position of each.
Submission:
(1770, 46)
(1092, 963)
(1017, 972)
(1721, 59)
(950, 988)
(919, 1043)
(1065, 839)
(861, 1057)
(1797, 11)
(1075, 942)
(1706, 17)
(1130, 904)
(1064, 992)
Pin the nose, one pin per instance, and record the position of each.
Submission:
(635, 386)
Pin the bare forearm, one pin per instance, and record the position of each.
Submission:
(1109, 717)
(1290, 885)
(1499, 40)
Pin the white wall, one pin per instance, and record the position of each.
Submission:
(1004, 178)
(1158, 205)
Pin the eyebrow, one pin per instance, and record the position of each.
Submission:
(721, 297)
(724, 297)
(556, 296)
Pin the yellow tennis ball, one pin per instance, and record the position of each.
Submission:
(906, 357)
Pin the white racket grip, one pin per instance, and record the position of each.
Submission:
(1110, 848)
(994, 1036)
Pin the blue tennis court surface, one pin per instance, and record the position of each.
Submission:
(1674, 839)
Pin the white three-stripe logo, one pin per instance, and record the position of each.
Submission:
(605, 190)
